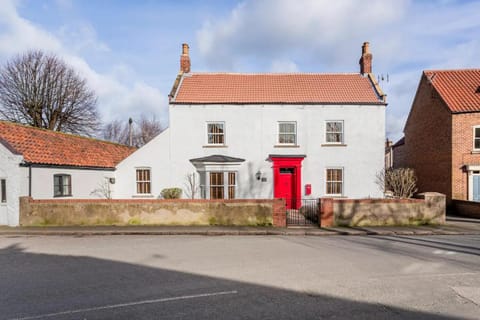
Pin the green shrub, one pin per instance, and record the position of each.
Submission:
(171, 193)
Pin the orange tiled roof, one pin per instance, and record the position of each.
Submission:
(458, 88)
(40, 146)
(308, 88)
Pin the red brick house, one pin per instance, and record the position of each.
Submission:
(442, 134)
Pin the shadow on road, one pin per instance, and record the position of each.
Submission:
(46, 286)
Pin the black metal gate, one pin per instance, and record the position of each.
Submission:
(306, 214)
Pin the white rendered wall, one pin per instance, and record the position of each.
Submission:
(11, 171)
(154, 155)
(251, 134)
(84, 182)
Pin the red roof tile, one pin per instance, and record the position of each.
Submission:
(42, 146)
(458, 88)
(308, 88)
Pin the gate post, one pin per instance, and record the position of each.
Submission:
(325, 214)
(279, 212)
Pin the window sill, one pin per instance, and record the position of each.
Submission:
(475, 152)
(286, 146)
(333, 145)
(143, 195)
(215, 146)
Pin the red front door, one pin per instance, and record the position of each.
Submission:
(287, 179)
(286, 186)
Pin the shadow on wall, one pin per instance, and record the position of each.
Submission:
(255, 186)
(79, 287)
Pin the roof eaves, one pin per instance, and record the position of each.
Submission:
(378, 90)
(277, 102)
(9, 147)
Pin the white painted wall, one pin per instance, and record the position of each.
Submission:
(251, 134)
(13, 174)
(84, 182)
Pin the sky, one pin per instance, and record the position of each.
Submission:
(129, 50)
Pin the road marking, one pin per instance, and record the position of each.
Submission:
(128, 304)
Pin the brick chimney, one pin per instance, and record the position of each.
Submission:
(185, 59)
(366, 59)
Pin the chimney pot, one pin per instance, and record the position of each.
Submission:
(185, 59)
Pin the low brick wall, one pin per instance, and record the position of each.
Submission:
(470, 209)
(179, 212)
(429, 208)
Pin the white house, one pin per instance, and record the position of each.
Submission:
(292, 135)
(45, 164)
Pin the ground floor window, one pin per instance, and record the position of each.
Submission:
(143, 181)
(221, 185)
(334, 181)
(62, 185)
(3, 193)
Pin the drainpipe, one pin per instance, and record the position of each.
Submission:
(30, 180)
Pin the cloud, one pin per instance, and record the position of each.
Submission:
(325, 36)
(120, 93)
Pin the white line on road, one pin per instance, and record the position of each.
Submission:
(128, 304)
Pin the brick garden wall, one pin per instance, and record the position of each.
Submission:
(429, 209)
(152, 212)
(466, 208)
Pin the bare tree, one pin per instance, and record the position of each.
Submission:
(191, 185)
(115, 131)
(42, 91)
(401, 182)
(103, 190)
(148, 128)
(143, 130)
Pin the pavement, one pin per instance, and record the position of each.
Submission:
(455, 226)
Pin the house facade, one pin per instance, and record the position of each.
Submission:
(44, 165)
(442, 134)
(236, 135)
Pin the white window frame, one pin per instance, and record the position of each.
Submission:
(474, 138)
(342, 140)
(294, 133)
(342, 181)
(205, 193)
(143, 181)
(224, 133)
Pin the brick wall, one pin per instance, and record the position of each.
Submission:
(428, 141)
(462, 152)
(430, 208)
(466, 208)
(399, 155)
(256, 212)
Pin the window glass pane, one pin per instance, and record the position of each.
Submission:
(334, 182)
(477, 132)
(287, 132)
(215, 133)
(143, 181)
(3, 187)
(334, 131)
(477, 143)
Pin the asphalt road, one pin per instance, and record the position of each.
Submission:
(264, 277)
